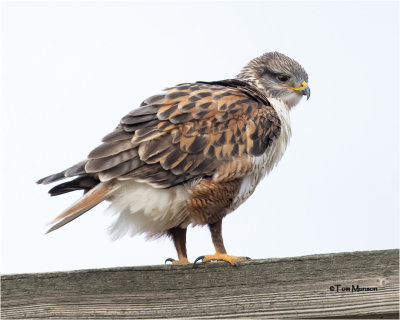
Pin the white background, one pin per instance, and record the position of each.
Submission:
(71, 70)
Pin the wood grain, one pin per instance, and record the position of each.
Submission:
(273, 288)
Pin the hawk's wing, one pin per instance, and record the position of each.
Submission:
(185, 133)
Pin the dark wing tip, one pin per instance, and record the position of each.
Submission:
(51, 178)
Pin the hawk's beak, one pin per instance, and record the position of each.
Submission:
(304, 88)
(306, 92)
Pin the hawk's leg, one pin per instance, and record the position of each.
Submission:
(179, 237)
(220, 252)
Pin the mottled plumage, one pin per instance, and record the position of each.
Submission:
(190, 155)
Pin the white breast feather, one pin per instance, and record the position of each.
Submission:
(142, 208)
(266, 162)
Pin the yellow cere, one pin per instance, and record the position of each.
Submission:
(303, 85)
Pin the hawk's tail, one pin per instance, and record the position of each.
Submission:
(90, 199)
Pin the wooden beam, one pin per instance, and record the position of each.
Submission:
(350, 285)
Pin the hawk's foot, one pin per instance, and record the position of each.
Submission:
(180, 261)
(221, 257)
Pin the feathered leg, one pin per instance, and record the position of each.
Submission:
(179, 236)
(220, 252)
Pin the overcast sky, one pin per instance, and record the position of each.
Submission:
(70, 71)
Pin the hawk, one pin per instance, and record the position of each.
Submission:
(190, 155)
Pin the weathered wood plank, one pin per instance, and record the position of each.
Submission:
(273, 288)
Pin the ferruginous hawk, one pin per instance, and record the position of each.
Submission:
(190, 155)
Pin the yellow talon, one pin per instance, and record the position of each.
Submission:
(176, 262)
(221, 257)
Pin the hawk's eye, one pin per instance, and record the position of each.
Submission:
(283, 77)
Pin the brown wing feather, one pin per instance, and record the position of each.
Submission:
(189, 131)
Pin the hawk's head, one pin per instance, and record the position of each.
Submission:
(278, 76)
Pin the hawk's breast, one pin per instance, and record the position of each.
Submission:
(263, 164)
